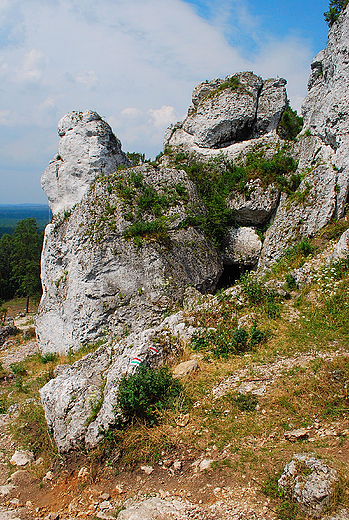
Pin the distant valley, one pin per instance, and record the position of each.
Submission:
(10, 214)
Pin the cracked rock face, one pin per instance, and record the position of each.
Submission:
(238, 108)
(87, 148)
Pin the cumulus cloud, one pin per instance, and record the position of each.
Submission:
(164, 116)
(134, 62)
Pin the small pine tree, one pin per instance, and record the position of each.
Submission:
(335, 9)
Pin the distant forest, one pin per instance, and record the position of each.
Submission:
(10, 215)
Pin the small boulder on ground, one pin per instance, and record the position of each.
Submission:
(296, 435)
(310, 482)
(22, 457)
(186, 368)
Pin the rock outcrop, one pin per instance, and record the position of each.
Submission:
(228, 111)
(103, 273)
(322, 149)
(87, 148)
(80, 403)
(120, 251)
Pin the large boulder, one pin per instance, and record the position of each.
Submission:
(87, 148)
(113, 267)
(228, 111)
(242, 246)
(257, 206)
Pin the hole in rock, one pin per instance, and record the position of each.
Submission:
(231, 273)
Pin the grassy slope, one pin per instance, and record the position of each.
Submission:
(248, 440)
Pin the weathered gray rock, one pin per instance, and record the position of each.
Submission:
(341, 250)
(6, 331)
(272, 102)
(80, 403)
(230, 110)
(296, 435)
(242, 246)
(96, 280)
(186, 368)
(22, 457)
(323, 149)
(257, 207)
(310, 482)
(87, 148)
(225, 116)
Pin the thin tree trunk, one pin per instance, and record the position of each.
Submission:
(27, 306)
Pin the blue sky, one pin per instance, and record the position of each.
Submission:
(135, 62)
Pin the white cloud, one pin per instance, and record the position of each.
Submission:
(134, 61)
(33, 65)
(89, 79)
(4, 117)
(164, 116)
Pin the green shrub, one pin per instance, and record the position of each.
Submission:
(3, 405)
(303, 248)
(273, 310)
(227, 341)
(18, 369)
(156, 229)
(145, 394)
(291, 282)
(136, 158)
(48, 357)
(290, 125)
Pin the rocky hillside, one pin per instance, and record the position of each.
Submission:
(125, 245)
(148, 265)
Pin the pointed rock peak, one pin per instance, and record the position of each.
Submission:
(87, 149)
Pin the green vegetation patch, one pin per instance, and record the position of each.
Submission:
(335, 9)
(144, 206)
(225, 341)
(218, 178)
(145, 394)
(290, 125)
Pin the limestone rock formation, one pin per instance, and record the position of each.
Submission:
(97, 279)
(341, 250)
(310, 482)
(322, 149)
(242, 246)
(231, 110)
(87, 148)
(80, 403)
(256, 208)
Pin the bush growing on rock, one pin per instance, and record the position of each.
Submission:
(290, 125)
(218, 178)
(145, 394)
(335, 9)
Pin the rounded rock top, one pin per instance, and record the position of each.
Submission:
(73, 119)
